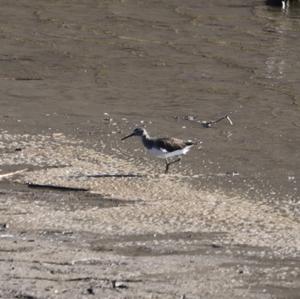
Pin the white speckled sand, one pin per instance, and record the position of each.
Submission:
(163, 203)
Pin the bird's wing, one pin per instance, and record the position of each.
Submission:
(170, 144)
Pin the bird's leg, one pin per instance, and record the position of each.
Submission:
(169, 163)
(167, 166)
(285, 4)
(175, 161)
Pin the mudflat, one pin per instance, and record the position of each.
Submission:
(83, 214)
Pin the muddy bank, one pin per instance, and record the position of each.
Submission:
(64, 64)
(58, 262)
(134, 232)
(102, 219)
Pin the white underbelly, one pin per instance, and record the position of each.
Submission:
(165, 154)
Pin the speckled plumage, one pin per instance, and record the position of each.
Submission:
(165, 148)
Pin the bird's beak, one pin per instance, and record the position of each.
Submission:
(130, 135)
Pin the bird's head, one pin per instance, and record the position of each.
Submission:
(136, 132)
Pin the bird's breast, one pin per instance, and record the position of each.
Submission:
(159, 153)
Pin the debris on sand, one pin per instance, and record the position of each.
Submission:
(118, 285)
(90, 291)
(6, 175)
(3, 226)
(206, 123)
(210, 123)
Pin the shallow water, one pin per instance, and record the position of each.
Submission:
(76, 76)
(65, 63)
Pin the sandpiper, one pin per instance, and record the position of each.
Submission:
(283, 3)
(163, 148)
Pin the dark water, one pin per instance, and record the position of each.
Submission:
(63, 64)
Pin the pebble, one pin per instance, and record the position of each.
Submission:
(90, 291)
(119, 285)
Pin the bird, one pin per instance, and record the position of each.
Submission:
(283, 3)
(164, 148)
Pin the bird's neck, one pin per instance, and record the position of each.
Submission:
(146, 135)
(146, 139)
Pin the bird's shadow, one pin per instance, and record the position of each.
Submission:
(115, 175)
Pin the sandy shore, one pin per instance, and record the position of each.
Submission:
(120, 239)
(83, 214)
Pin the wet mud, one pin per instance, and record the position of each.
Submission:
(84, 214)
